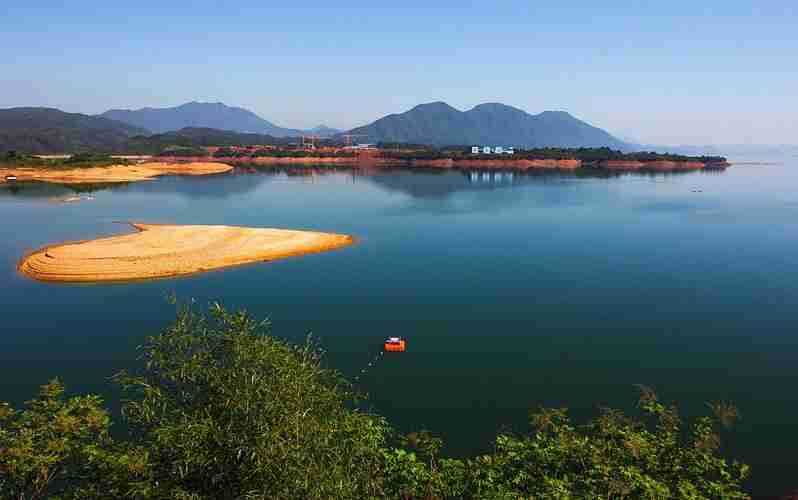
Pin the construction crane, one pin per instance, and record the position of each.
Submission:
(348, 138)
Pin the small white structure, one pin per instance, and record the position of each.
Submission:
(496, 150)
(360, 147)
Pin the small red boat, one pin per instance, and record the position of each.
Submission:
(394, 344)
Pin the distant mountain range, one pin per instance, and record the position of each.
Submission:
(207, 115)
(47, 130)
(439, 124)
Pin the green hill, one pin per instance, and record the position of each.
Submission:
(214, 115)
(48, 130)
(489, 124)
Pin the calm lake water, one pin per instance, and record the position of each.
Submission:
(514, 292)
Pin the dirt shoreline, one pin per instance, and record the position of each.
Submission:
(113, 173)
(158, 251)
(467, 163)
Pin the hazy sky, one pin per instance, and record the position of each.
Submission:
(669, 72)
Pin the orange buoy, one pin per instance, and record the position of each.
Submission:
(394, 344)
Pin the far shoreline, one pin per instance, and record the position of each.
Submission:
(476, 163)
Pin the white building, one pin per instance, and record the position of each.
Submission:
(496, 150)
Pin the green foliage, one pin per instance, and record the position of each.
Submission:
(182, 151)
(280, 153)
(614, 456)
(45, 447)
(78, 160)
(224, 410)
(230, 153)
(590, 156)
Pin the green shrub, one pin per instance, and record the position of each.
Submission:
(223, 410)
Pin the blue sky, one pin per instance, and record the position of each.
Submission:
(676, 72)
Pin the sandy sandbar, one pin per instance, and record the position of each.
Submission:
(113, 173)
(162, 251)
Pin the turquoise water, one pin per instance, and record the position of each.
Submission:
(514, 292)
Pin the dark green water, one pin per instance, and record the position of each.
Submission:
(513, 291)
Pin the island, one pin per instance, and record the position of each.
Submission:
(107, 174)
(162, 251)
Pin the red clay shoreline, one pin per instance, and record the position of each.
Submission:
(481, 163)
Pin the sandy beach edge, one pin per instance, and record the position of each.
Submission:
(97, 265)
(113, 173)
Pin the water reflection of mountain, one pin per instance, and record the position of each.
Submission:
(242, 180)
(47, 191)
(211, 186)
(206, 186)
(442, 183)
(418, 183)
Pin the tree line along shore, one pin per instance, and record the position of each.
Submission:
(463, 157)
(389, 155)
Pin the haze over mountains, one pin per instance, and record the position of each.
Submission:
(207, 115)
(47, 130)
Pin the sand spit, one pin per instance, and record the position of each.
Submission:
(162, 251)
(113, 173)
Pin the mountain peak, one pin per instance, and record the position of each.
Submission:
(436, 106)
(493, 106)
(214, 115)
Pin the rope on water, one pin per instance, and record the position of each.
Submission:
(372, 363)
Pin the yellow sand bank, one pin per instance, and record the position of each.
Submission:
(112, 173)
(161, 251)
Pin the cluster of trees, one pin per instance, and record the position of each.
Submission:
(17, 158)
(599, 154)
(415, 152)
(78, 160)
(222, 409)
(419, 154)
(183, 151)
(280, 153)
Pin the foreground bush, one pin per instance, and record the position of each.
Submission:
(44, 448)
(222, 410)
(225, 411)
(614, 456)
